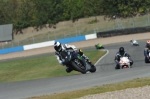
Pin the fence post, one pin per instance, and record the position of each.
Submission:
(48, 37)
(75, 28)
(64, 35)
(12, 44)
(33, 39)
(148, 18)
(2, 45)
(79, 32)
(133, 21)
(18, 43)
(55, 36)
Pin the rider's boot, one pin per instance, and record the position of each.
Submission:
(68, 70)
(117, 66)
(131, 63)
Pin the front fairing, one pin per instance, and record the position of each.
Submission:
(71, 55)
(134, 42)
(99, 45)
(77, 56)
(66, 56)
(124, 61)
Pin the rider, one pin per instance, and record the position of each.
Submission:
(133, 41)
(119, 54)
(59, 48)
(146, 51)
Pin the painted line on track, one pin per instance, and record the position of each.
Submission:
(102, 57)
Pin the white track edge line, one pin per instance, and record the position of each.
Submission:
(102, 57)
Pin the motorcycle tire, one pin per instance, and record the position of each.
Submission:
(77, 68)
(93, 69)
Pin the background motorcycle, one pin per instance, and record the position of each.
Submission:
(99, 46)
(76, 62)
(134, 43)
(124, 63)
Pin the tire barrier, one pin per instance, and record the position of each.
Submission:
(123, 32)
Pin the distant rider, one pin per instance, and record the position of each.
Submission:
(59, 48)
(119, 54)
(146, 51)
(133, 41)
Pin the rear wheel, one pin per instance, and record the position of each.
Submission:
(93, 69)
(103, 47)
(79, 66)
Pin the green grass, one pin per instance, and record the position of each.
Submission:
(36, 68)
(139, 82)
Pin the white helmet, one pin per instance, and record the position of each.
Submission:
(131, 40)
(57, 46)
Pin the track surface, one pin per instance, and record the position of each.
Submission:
(105, 74)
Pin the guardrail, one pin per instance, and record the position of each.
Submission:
(48, 43)
(77, 39)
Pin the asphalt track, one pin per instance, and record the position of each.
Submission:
(105, 74)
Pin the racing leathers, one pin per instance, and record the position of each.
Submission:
(146, 54)
(71, 48)
(117, 59)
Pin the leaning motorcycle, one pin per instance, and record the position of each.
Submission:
(76, 62)
(134, 43)
(99, 46)
(124, 63)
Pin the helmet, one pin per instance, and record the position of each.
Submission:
(121, 50)
(131, 40)
(80, 52)
(148, 44)
(57, 46)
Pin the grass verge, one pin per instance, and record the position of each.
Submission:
(139, 82)
(36, 68)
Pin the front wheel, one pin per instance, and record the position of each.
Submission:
(124, 67)
(80, 68)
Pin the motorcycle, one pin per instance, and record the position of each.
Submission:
(76, 62)
(134, 43)
(124, 63)
(99, 46)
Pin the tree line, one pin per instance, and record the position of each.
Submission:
(36, 13)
